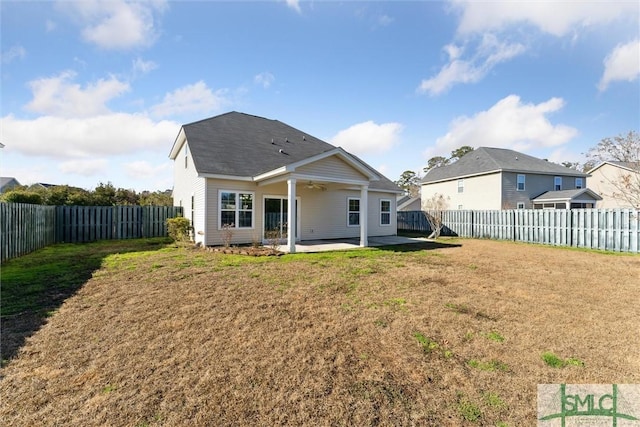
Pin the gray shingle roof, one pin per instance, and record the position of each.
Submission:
(483, 160)
(567, 195)
(243, 145)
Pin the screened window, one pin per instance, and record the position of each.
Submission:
(461, 186)
(385, 212)
(520, 182)
(236, 209)
(353, 212)
(579, 183)
(557, 183)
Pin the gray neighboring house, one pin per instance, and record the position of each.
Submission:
(497, 178)
(8, 183)
(235, 175)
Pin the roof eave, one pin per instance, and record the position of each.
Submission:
(178, 143)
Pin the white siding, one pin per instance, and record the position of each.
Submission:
(480, 192)
(323, 214)
(332, 167)
(186, 185)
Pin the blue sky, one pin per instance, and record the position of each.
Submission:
(96, 91)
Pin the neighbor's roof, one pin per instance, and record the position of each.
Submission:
(630, 166)
(485, 160)
(575, 194)
(8, 180)
(243, 145)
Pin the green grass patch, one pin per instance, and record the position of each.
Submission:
(431, 346)
(494, 336)
(469, 410)
(554, 361)
(489, 366)
(38, 282)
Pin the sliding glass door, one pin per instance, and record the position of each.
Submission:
(276, 221)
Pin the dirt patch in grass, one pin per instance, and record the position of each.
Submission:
(366, 337)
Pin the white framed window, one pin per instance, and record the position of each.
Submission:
(186, 155)
(579, 183)
(385, 212)
(557, 183)
(520, 205)
(520, 183)
(459, 207)
(235, 209)
(461, 186)
(353, 212)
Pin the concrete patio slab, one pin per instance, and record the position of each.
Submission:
(307, 246)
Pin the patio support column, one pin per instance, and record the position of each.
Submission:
(291, 215)
(364, 216)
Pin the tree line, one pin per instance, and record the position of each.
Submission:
(102, 195)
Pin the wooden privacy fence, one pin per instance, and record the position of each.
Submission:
(605, 229)
(25, 228)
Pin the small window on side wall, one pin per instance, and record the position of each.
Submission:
(186, 156)
(461, 186)
(520, 205)
(385, 212)
(353, 212)
(520, 183)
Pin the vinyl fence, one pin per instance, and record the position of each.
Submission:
(25, 228)
(605, 229)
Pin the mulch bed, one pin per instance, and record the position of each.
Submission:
(249, 250)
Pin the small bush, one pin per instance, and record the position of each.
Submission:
(179, 228)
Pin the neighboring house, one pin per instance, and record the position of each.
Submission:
(498, 178)
(604, 178)
(235, 174)
(408, 203)
(8, 183)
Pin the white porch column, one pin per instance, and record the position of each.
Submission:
(291, 215)
(364, 216)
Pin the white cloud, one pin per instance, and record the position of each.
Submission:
(295, 5)
(142, 170)
(117, 24)
(264, 79)
(488, 54)
(368, 137)
(15, 52)
(59, 96)
(507, 124)
(195, 98)
(623, 63)
(556, 18)
(141, 66)
(385, 20)
(89, 167)
(91, 137)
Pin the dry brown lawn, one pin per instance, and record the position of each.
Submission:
(445, 336)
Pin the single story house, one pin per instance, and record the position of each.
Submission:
(408, 203)
(497, 178)
(8, 183)
(606, 181)
(251, 179)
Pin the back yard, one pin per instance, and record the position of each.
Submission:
(143, 333)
